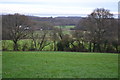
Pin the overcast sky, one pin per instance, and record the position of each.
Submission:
(56, 7)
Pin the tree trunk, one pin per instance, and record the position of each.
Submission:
(15, 46)
(79, 44)
(54, 45)
(94, 47)
(105, 46)
(90, 45)
(35, 43)
(41, 46)
(116, 47)
(98, 47)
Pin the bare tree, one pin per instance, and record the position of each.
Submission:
(40, 34)
(79, 38)
(54, 37)
(97, 25)
(17, 27)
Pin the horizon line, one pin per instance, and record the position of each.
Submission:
(56, 15)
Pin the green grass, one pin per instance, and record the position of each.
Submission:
(65, 27)
(59, 65)
(0, 64)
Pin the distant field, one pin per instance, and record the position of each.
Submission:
(59, 65)
(21, 43)
(66, 30)
(65, 27)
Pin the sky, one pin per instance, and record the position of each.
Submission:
(56, 7)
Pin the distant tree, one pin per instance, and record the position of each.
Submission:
(79, 38)
(119, 32)
(54, 37)
(64, 43)
(113, 36)
(0, 32)
(98, 25)
(16, 26)
(0, 27)
(41, 35)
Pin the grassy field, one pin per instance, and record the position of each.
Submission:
(65, 27)
(21, 43)
(59, 65)
(0, 65)
(66, 30)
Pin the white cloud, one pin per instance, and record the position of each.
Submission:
(55, 6)
(43, 9)
(58, 1)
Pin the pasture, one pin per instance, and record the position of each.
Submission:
(8, 44)
(0, 64)
(51, 64)
(65, 27)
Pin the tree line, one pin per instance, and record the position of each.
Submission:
(98, 32)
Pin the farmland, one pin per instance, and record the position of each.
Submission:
(46, 36)
(60, 47)
(66, 30)
(53, 64)
(0, 64)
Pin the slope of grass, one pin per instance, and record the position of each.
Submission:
(59, 65)
(0, 64)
